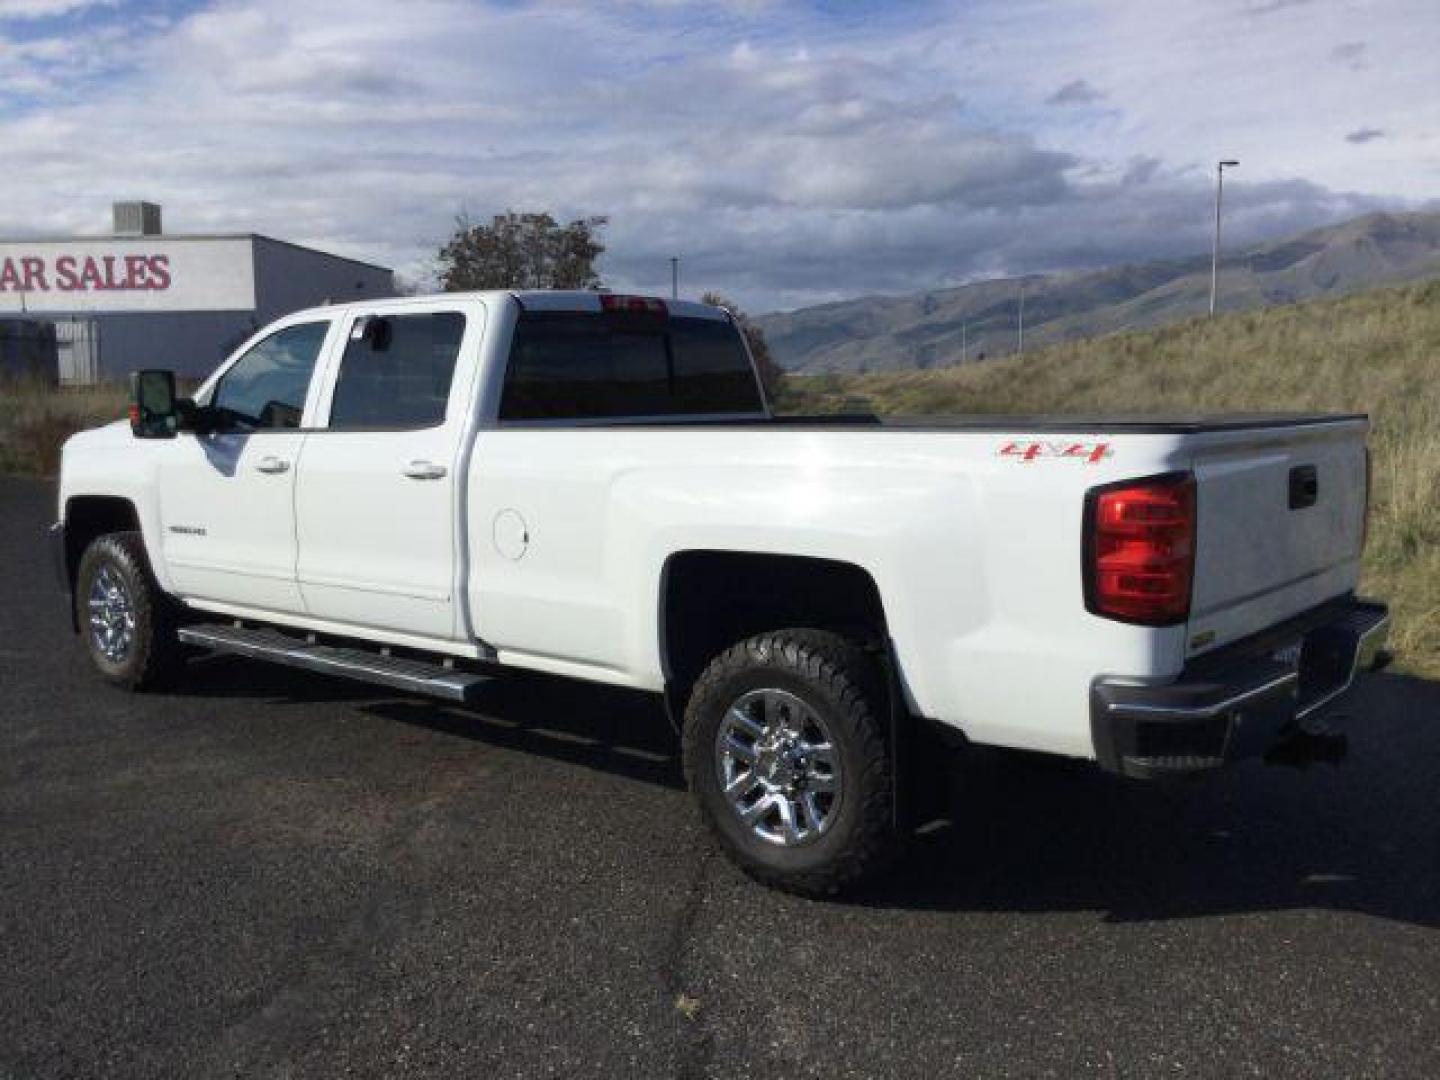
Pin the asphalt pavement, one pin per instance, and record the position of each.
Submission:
(274, 874)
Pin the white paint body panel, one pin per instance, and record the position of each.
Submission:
(1258, 561)
(376, 546)
(229, 527)
(976, 557)
(549, 549)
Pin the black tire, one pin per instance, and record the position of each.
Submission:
(153, 655)
(840, 683)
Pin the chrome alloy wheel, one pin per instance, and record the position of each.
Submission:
(778, 767)
(112, 615)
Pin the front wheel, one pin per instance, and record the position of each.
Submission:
(786, 751)
(125, 620)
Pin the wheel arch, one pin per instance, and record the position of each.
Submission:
(86, 518)
(702, 613)
(711, 599)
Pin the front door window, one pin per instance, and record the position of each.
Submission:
(266, 387)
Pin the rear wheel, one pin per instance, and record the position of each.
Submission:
(786, 751)
(126, 622)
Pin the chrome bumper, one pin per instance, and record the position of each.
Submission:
(1240, 702)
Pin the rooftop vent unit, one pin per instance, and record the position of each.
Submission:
(137, 219)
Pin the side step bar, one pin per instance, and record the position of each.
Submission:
(263, 643)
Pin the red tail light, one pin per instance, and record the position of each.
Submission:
(1140, 550)
(635, 305)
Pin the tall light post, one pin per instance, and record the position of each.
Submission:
(1020, 323)
(1220, 167)
(674, 277)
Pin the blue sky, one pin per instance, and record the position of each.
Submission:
(790, 153)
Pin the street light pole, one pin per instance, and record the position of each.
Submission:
(1020, 343)
(1220, 167)
(674, 277)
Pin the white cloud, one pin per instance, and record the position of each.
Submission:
(46, 9)
(786, 155)
(1075, 92)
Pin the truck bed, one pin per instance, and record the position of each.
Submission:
(1080, 424)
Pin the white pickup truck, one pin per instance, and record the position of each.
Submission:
(425, 492)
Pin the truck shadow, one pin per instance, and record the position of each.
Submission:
(1034, 833)
(622, 732)
(1031, 833)
(598, 727)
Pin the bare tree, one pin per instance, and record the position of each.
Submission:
(522, 251)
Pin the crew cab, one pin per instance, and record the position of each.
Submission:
(426, 492)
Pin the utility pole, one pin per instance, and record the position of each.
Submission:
(674, 277)
(1220, 167)
(964, 329)
(1020, 346)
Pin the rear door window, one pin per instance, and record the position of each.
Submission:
(577, 365)
(396, 371)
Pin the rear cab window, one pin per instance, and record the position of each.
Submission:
(569, 365)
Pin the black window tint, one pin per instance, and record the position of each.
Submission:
(267, 385)
(569, 365)
(712, 369)
(397, 373)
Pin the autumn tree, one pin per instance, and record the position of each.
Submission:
(771, 373)
(522, 251)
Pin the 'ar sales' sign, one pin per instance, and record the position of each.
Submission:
(146, 273)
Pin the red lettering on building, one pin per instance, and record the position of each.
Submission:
(65, 273)
(90, 277)
(35, 279)
(69, 273)
(135, 271)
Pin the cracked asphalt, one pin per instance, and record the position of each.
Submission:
(265, 873)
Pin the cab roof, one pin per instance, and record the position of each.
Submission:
(580, 300)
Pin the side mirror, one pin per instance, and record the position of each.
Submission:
(152, 405)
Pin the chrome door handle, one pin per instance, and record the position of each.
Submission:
(272, 464)
(424, 470)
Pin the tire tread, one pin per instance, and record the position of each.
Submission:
(158, 652)
(840, 669)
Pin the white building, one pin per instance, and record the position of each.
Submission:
(142, 298)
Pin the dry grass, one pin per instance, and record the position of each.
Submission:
(1378, 352)
(35, 420)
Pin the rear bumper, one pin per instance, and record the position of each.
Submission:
(1239, 704)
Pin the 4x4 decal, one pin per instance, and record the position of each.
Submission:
(1092, 453)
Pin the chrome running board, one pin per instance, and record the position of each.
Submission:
(372, 666)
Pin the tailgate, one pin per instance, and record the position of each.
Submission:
(1281, 518)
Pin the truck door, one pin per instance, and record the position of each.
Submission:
(227, 498)
(376, 491)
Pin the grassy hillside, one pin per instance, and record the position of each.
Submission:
(1376, 352)
(935, 329)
